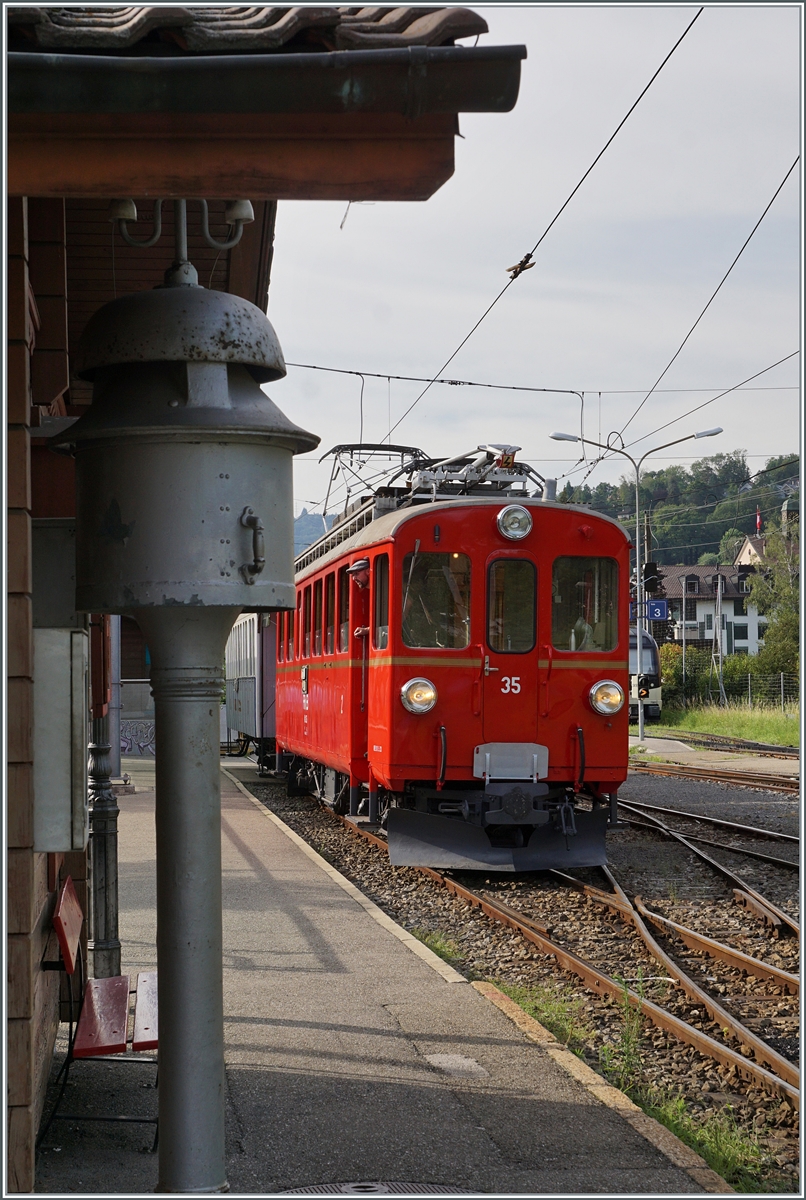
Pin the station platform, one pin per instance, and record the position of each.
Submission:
(357, 1061)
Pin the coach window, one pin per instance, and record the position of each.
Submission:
(306, 618)
(280, 636)
(330, 612)
(289, 636)
(344, 610)
(436, 601)
(380, 624)
(584, 604)
(511, 603)
(317, 617)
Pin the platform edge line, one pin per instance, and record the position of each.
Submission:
(678, 1153)
(409, 940)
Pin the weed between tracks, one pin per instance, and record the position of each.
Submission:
(727, 1149)
(445, 947)
(555, 1008)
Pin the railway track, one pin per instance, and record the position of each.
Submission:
(714, 741)
(576, 938)
(750, 779)
(755, 1060)
(781, 923)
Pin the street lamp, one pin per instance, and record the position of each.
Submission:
(639, 582)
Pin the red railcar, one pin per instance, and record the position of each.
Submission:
(459, 664)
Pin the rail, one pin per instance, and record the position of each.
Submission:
(750, 779)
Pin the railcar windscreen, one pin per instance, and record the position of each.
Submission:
(585, 604)
(511, 596)
(436, 601)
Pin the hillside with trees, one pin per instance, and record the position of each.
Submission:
(699, 513)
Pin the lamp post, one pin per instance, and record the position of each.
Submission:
(682, 580)
(180, 460)
(639, 582)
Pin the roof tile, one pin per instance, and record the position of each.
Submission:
(228, 28)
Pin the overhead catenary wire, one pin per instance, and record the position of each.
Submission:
(517, 387)
(666, 425)
(526, 262)
(578, 466)
(713, 294)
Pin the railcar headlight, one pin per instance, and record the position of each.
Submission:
(606, 697)
(418, 695)
(514, 522)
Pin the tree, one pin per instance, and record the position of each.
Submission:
(774, 589)
(730, 545)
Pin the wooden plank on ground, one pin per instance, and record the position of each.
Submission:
(145, 1012)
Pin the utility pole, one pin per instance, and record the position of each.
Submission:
(639, 583)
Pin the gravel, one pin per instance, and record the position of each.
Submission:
(672, 882)
(778, 811)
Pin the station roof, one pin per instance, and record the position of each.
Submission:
(270, 103)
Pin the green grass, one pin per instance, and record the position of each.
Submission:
(621, 1061)
(736, 720)
(444, 946)
(728, 1150)
(554, 1008)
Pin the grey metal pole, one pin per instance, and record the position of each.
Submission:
(682, 581)
(639, 593)
(187, 656)
(114, 702)
(103, 854)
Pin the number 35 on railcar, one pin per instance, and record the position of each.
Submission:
(457, 663)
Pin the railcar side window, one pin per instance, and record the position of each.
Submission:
(380, 624)
(330, 612)
(584, 604)
(436, 600)
(317, 617)
(511, 603)
(289, 636)
(344, 610)
(280, 636)
(306, 617)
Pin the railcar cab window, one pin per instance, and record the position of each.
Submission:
(511, 605)
(436, 600)
(330, 613)
(306, 617)
(380, 608)
(584, 604)
(344, 610)
(317, 617)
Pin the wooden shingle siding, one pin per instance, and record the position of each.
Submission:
(32, 994)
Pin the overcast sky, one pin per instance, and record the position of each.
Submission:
(620, 278)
